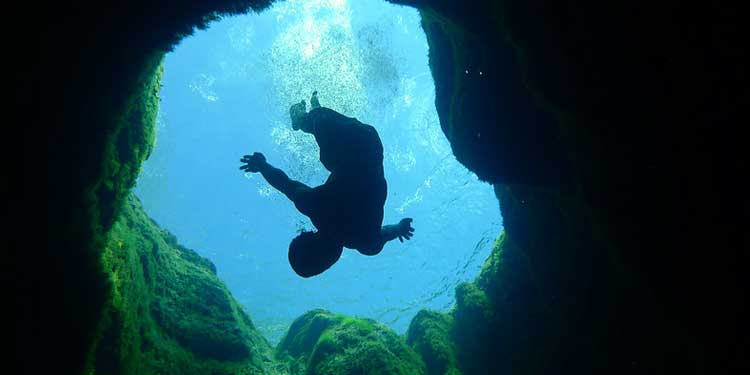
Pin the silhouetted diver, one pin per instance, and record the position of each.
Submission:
(348, 209)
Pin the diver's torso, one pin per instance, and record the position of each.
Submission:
(355, 192)
(353, 207)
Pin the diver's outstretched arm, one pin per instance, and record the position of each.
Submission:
(275, 177)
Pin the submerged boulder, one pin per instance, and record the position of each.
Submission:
(320, 342)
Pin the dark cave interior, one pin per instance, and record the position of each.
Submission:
(611, 138)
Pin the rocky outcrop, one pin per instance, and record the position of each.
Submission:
(169, 313)
(430, 335)
(320, 342)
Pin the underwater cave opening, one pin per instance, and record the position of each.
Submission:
(226, 92)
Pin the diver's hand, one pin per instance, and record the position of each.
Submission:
(405, 229)
(253, 162)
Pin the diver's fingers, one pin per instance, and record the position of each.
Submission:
(255, 156)
(401, 238)
(251, 156)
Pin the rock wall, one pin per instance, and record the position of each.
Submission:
(624, 235)
(86, 105)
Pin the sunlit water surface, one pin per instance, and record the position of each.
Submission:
(226, 92)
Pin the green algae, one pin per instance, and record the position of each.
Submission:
(305, 331)
(169, 312)
(320, 342)
(130, 142)
(430, 335)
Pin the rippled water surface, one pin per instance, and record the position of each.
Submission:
(226, 92)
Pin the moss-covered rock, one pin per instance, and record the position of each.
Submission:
(305, 331)
(320, 342)
(502, 299)
(430, 335)
(169, 312)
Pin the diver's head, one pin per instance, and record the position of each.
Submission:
(296, 111)
(311, 253)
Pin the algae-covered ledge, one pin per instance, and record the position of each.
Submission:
(168, 312)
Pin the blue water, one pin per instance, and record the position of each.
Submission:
(226, 92)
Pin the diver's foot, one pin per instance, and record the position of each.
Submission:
(314, 103)
(296, 111)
